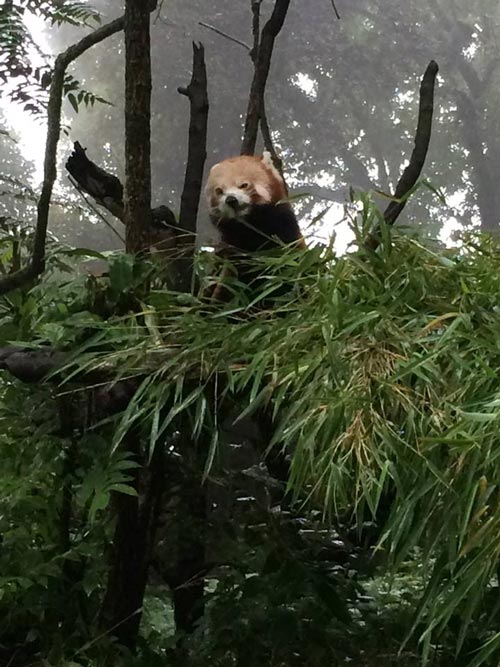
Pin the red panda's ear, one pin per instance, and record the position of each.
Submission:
(268, 163)
(277, 185)
(267, 159)
(206, 191)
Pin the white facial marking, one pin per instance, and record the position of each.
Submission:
(231, 211)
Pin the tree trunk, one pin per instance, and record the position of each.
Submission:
(137, 126)
(135, 516)
(188, 577)
(131, 551)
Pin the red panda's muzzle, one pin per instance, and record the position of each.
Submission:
(232, 202)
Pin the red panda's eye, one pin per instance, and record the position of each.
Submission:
(219, 192)
(243, 186)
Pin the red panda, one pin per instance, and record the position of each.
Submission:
(246, 196)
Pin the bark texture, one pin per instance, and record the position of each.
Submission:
(197, 94)
(137, 126)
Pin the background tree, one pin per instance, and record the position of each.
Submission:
(361, 114)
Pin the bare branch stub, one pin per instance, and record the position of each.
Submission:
(262, 64)
(105, 188)
(197, 94)
(411, 174)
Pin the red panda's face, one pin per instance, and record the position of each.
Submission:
(236, 184)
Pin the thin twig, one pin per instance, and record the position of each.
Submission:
(224, 34)
(158, 13)
(94, 209)
(334, 7)
(411, 174)
(262, 64)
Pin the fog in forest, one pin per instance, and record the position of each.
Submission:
(342, 103)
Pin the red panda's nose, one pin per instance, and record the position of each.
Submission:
(232, 201)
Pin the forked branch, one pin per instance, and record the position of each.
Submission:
(261, 54)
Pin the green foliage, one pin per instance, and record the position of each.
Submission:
(283, 596)
(18, 66)
(381, 374)
(53, 492)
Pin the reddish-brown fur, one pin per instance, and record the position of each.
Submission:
(251, 169)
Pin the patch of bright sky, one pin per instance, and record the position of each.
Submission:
(308, 85)
(31, 140)
(452, 225)
(332, 221)
(335, 224)
(471, 50)
(30, 133)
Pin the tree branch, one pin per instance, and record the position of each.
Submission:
(262, 64)
(29, 365)
(105, 188)
(37, 366)
(412, 172)
(197, 94)
(255, 29)
(264, 125)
